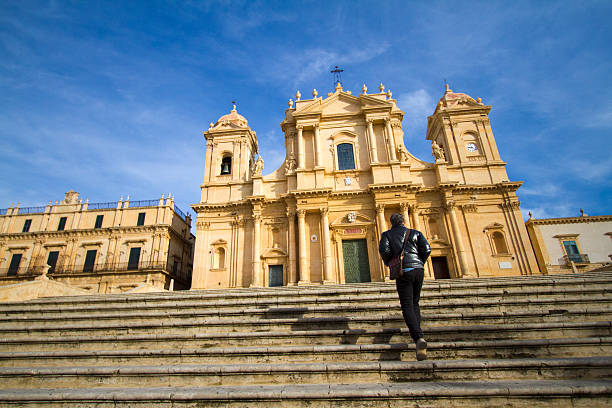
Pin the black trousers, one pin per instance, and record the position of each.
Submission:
(409, 292)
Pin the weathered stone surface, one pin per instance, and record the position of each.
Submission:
(226, 349)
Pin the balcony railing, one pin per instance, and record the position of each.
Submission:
(32, 210)
(60, 270)
(144, 203)
(22, 271)
(102, 206)
(180, 212)
(576, 258)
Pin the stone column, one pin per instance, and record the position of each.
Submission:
(373, 151)
(404, 210)
(450, 207)
(301, 153)
(380, 216)
(415, 217)
(257, 280)
(327, 264)
(292, 276)
(391, 139)
(304, 270)
(318, 157)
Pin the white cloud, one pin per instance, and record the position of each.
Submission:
(547, 189)
(417, 105)
(591, 169)
(550, 211)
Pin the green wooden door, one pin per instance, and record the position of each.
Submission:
(276, 275)
(356, 263)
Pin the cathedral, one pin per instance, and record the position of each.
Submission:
(318, 218)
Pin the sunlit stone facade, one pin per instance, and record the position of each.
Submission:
(318, 218)
(572, 244)
(102, 247)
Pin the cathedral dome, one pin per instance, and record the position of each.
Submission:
(233, 119)
(452, 99)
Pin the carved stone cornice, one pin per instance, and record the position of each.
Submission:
(570, 220)
(470, 208)
(450, 205)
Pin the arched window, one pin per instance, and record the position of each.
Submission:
(499, 243)
(346, 158)
(226, 165)
(219, 258)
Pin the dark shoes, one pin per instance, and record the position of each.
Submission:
(421, 349)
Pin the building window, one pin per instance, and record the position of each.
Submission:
(99, 219)
(346, 158)
(572, 251)
(141, 218)
(90, 260)
(226, 165)
(499, 242)
(52, 260)
(219, 259)
(14, 267)
(62, 224)
(26, 226)
(134, 258)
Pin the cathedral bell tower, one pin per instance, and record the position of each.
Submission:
(230, 149)
(462, 139)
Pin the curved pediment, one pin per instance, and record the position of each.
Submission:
(351, 218)
(273, 253)
(495, 225)
(220, 241)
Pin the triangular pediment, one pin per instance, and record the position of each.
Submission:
(342, 103)
(372, 102)
(338, 103)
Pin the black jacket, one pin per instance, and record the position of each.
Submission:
(416, 251)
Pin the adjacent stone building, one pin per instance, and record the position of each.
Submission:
(572, 244)
(102, 247)
(317, 219)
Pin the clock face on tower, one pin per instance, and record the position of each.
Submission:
(471, 147)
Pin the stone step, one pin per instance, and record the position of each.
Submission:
(204, 305)
(195, 325)
(368, 305)
(535, 393)
(485, 349)
(586, 368)
(524, 331)
(468, 286)
(275, 312)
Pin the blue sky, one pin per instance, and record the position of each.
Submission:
(110, 98)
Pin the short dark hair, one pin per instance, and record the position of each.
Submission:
(397, 219)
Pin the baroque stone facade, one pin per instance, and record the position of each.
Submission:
(318, 218)
(102, 247)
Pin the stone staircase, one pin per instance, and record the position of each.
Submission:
(533, 341)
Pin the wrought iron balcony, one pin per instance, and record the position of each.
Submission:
(576, 258)
(182, 274)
